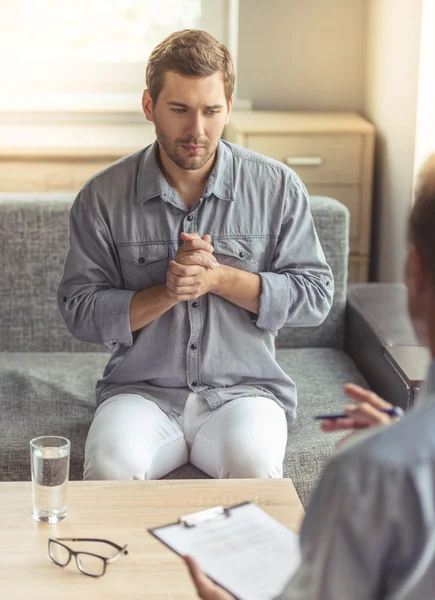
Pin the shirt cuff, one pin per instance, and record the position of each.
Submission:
(112, 310)
(274, 302)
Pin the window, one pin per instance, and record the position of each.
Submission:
(92, 53)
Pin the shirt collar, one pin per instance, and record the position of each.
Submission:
(151, 183)
(150, 180)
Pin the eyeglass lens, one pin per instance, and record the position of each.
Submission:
(59, 553)
(90, 564)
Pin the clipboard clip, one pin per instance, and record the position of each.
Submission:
(196, 518)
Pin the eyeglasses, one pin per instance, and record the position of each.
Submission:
(88, 563)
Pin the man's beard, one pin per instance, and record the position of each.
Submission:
(174, 150)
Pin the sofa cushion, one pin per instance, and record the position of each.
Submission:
(33, 240)
(53, 394)
(319, 374)
(45, 394)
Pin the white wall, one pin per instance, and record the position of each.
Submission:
(302, 54)
(393, 47)
(425, 135)
(361, 55)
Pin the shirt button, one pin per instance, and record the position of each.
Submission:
(141, 260)
(193, 347)
(189, 217)
(64, 298)
(241, 254)
(194, 383)
(195, 304)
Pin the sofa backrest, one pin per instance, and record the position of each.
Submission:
(33, 238)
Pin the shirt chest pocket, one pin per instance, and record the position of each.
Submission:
(247, 254)
(144, 265)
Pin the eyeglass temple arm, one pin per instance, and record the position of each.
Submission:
(118, 554)
(120, 549)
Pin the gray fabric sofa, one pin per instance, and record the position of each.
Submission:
(47, 378)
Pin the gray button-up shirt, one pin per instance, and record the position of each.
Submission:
(125, 227)
(369, 533)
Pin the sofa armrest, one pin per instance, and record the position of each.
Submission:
(377, 318)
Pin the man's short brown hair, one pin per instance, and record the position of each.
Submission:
(190, 53)
(422, 218)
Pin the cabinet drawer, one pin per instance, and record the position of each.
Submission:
(47, 176)
(315, 158)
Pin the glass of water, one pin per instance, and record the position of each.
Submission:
(50, 468)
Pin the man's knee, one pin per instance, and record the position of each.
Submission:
(108, 460)
(105, 461)
(247, 465)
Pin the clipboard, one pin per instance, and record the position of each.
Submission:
(241, 548)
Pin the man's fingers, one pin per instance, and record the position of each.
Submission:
(366, 412)
(359, 394)
(337, 424)
(206, 589)
(182, 290)
(176, 280)
(182, 297)
(367, 415)
(186, 237)
(192, 241)
(196, 572)
(361, 416)
(202, 583)
(184, 270)
(196, 244)
(201, 258)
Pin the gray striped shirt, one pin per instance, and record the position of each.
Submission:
(125, 227)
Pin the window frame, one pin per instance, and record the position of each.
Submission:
(116, 97)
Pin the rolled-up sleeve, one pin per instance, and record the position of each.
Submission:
(90, 295)
(299, 289)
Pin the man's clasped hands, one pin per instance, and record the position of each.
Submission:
(192, 273)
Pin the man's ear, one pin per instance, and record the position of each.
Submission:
(147, 105)
(230, 107)
(417, 275)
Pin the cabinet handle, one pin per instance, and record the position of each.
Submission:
(304, 161)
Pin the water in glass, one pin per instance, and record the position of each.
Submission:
(50, 466)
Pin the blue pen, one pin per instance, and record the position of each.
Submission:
(396, 411)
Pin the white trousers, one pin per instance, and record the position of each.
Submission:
(133, 438)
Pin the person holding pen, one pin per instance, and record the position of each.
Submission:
(368, 410)
(369, 532)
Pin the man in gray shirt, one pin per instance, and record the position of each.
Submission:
(184, 260)
(369, 533)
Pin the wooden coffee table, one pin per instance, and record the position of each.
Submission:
(121, 512)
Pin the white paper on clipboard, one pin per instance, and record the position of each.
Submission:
(241, 548)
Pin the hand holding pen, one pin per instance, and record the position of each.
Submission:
(369, 410)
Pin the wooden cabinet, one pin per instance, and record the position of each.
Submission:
(333, 155)
(53, 170)
(331, 152)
